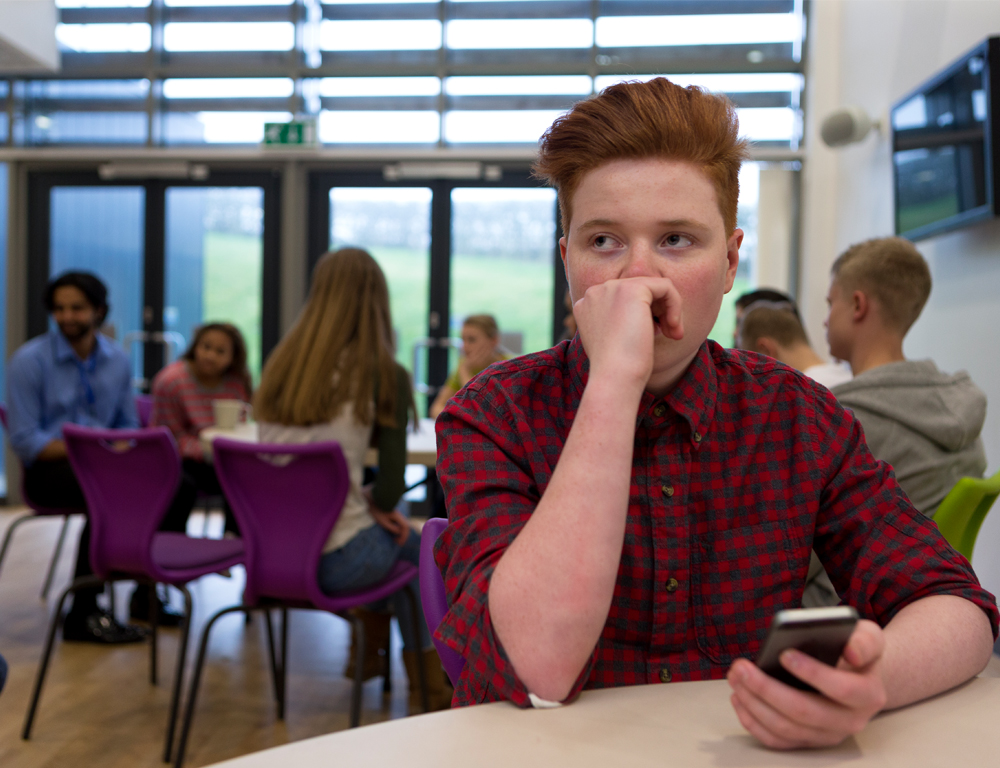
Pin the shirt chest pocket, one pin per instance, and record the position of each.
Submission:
(740, 577)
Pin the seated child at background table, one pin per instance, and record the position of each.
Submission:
(335, 377)
(633, 506)
(480, 348)
(214, 367)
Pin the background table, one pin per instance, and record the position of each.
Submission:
(421, 445)
(666, 726)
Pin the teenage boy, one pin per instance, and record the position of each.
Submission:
(923, 422)
(634, 505)
(75, 374)
(773, 329)
(744, 300)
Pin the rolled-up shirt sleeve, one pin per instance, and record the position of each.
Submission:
(487, 465)
(25, 409)
(880, 552)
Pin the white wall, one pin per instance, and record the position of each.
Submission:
(28, 36)
(870, 53)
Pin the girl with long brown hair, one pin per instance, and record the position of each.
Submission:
(335, 377)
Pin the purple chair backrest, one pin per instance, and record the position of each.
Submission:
(434, 598)
(286, 499)
(129, 478)
(144, 409)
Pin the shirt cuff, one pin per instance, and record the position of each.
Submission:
(28, 450)
(539, 703)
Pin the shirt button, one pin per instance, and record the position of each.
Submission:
(671, 584)
(668, 490)
(659, 410)
(697, 437)
(665, 675)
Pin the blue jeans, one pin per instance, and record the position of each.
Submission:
(365, 560)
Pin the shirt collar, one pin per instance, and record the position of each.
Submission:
(692, 398)
(63, 351)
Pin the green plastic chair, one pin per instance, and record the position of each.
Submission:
(963, 510)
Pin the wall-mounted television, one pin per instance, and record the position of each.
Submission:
(946, 147)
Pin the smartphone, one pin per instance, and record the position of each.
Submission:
(820, 632)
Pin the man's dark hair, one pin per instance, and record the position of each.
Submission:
(767, 294)
(89, 285)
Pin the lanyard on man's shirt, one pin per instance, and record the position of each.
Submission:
(87, 367)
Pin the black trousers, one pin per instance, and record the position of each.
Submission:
(53, 484)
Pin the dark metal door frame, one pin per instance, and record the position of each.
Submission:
(40, 185)
(439, 300)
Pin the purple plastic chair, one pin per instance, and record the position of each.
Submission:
(38, 512)
(286, 499)
(434, 597)
(129, 478)
(144, 409)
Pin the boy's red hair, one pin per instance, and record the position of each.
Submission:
(655, 119)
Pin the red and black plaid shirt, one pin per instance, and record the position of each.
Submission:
(736, 474)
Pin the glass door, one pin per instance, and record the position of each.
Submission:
(449, 248)
(3, 315)
(503, 263)
(393, 224)
(173, 254)
(101, 230)
(214, 263)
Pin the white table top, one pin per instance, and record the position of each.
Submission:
(421, 445)
(666, 726)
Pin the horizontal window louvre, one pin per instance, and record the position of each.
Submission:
(459, 72)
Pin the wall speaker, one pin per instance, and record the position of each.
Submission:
(846, 126)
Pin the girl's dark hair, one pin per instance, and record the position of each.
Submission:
(238, 367)
(89, 285)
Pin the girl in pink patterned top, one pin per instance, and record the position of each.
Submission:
(213, 368)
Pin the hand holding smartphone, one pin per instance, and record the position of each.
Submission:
(820, 632)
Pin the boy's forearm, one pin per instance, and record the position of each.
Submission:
(934, 644)
(551, 591)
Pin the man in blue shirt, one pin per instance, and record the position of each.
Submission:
(75, 374)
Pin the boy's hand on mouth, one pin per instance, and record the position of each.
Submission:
(615, 325)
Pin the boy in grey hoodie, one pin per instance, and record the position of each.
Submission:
(923, 422)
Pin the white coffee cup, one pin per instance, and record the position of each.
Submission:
(228, 413)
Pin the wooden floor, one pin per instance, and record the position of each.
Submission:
(98, 708)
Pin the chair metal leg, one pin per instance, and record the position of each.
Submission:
(387, 667)
(196, 680)
(154, 624)
(55, 558)
(284, 664)
(275, 669)
(412, 596)
(175, 695)
(10, 534)
(47, 652)
(359, 672)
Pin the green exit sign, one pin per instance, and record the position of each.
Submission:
(293, 133)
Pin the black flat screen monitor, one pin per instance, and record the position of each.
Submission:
(944, 142)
